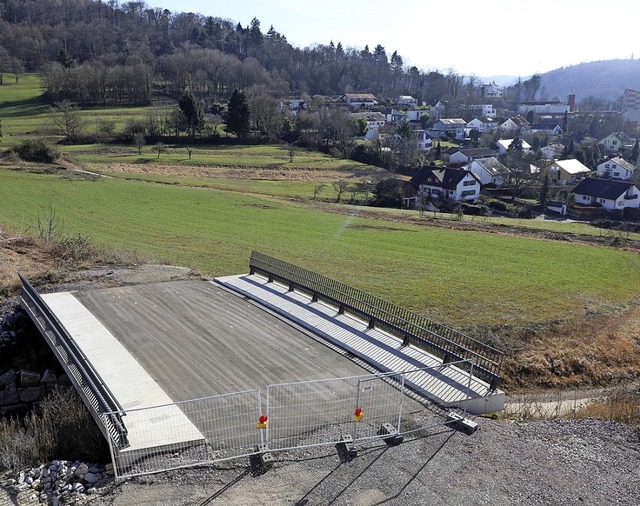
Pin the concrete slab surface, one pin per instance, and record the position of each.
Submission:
(447, 385)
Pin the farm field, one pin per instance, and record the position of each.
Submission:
(458, 277)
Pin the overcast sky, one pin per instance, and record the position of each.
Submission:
(474, 37)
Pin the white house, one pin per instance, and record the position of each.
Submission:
(446, 183)
(617, 168)
(486, 110)
(616, 142)
(611, 194)
(451, 127)
(423, 140)
(489, 171)
(567, 171)
(515, 124)
(491, 90)
(407, 100)
(375, 120)
(466, 155)
(503, 145)
(359, 100)
(482, 124)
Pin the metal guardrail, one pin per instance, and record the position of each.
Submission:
(440, 340)
(90, 386)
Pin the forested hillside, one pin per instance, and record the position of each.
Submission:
(605, 80)
(105, 52)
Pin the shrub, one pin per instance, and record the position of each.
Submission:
(498, 206)
(36, 150)
(64, 429)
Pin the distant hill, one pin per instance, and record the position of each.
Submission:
(603, 79)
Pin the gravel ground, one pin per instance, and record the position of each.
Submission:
(554, 462)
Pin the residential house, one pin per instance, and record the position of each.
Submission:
(375, 120)
(415, 115)
(450, 127)
(359, 100)
(550, 126)
(435, 112)
(293, 107)
(567, 171)
(552, 151)
(393, 116)
(491, 90)
(489, 171)
(616, 168)
(503, 146)
(467, 155)
(423, 140)
(617, 142)
(446, 183)
(407, 101)
(611, 194)
(486, 110)
(515, 124)
(482, 124)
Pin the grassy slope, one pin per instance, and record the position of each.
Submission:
(458, 277)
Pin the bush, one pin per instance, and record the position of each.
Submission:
(64, 429)
(498, 206)
(36, 150)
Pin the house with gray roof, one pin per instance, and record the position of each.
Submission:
(450, 127)
(489, 170)
(446, 183)
(611, 194)
(616, 168)
(467, 155)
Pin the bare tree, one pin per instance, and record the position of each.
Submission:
(340, 187)
(67, 117)
(139, 141)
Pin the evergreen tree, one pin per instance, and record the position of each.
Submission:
(192, 111)
(237, 119)
(544, 196)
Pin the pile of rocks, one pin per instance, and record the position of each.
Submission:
(60, 481)
(21, 389)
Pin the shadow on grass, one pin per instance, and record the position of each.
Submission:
(24, 108)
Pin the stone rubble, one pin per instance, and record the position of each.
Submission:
(60, 481)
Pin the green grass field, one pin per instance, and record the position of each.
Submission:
(211, 221)
(458, 277)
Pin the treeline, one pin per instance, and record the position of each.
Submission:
(98, 44)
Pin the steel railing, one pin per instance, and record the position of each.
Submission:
(87, 381)
(444, 342)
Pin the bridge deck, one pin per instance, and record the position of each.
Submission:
(448, 387)
(126, 378)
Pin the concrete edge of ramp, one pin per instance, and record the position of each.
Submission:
(130, 384)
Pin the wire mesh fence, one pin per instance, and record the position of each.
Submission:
(356, 406)
(189, 433)
(297, 415)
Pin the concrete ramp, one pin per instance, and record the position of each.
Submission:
(148, 430)
(447, 386)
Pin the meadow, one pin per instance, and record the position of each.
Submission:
(211, 210)
(461, 278)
